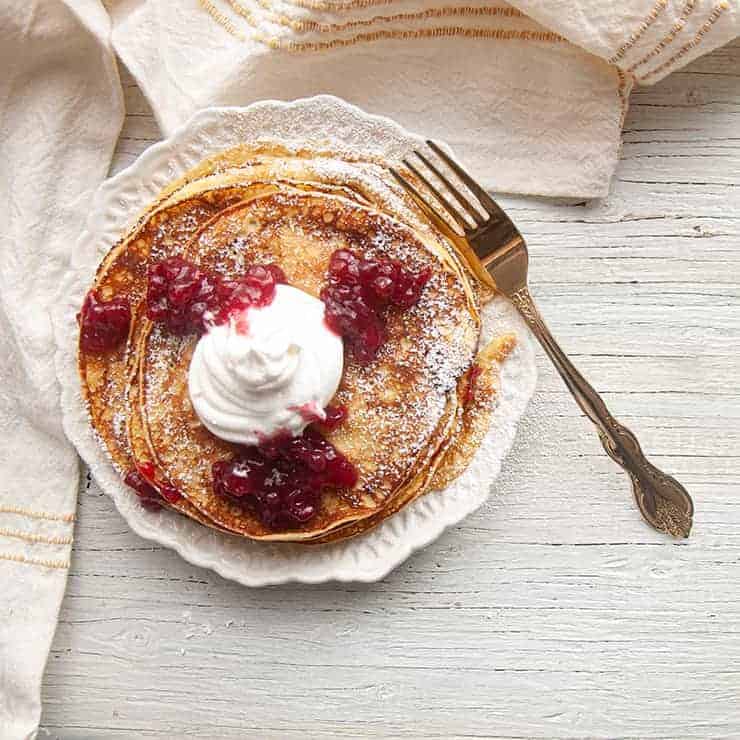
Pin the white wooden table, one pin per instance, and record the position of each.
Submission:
(554, 611)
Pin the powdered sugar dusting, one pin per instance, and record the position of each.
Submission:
(119, 424)
(395, 404)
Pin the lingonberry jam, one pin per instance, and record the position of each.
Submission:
(255, 288)
(142, 481)
(473, 375)
(144, 490)
(309, 412)
(281, 480)
(179, 295)
(358, 293)
(103, 324)
(185, 298)
(335, 415)
(169, 493)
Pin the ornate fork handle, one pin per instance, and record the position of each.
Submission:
(496, 252)
(663, 501)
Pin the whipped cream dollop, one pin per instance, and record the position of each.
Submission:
(269, 369)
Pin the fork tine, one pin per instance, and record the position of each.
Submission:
(418, 198)
(458, 217)
(462, 247)
(459, 197)
(485, 199)
(416, 195)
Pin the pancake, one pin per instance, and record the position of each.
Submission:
(401, 406)
(406, 433)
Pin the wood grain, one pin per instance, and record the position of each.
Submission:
(551, 613)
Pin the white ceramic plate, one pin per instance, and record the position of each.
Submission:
(116, 204)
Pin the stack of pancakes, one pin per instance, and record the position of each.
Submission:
(416, 414)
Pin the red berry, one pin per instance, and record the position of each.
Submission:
(271, 447)
(240, 477)
(256, 288)
(180, 295)
(142, 480)
(358, 292)
(301, 505)
(343, 473)
(344, 267)
(169, 493)
(185, 299)
(335, 415)
(103, 324)
(263, 278)
(148, 470)
(407, 290)
(281, 479)
(473, 375)
(144, 490)
(277, 274)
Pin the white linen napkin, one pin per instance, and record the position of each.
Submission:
(61, 110)
(531, 95)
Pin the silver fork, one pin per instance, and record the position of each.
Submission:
(496, 252)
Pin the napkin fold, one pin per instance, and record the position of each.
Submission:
(531, 94)
(61, 110)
